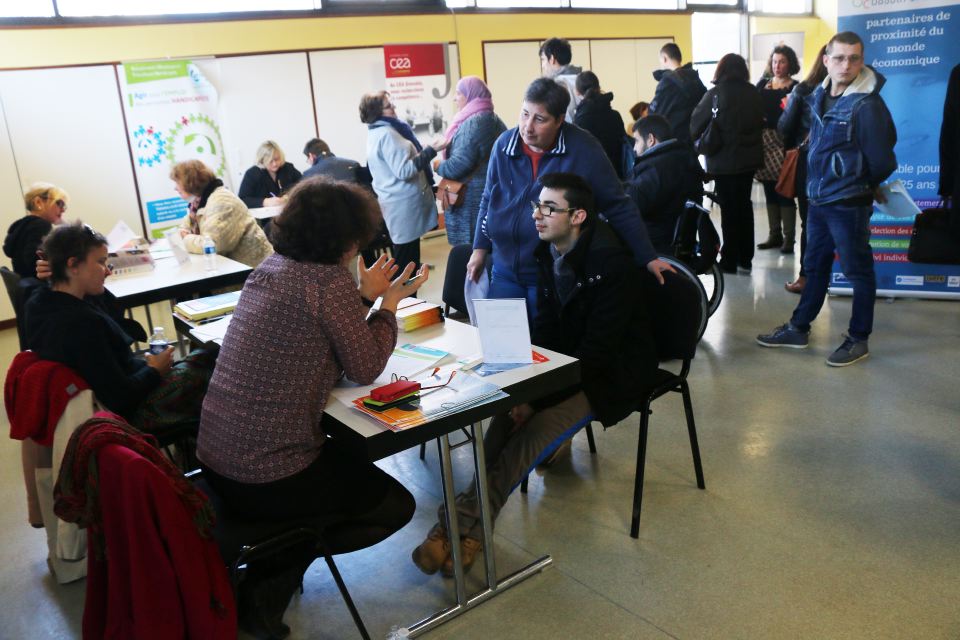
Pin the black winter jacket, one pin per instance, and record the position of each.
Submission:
(605, 323)
(22, 241)
(596, 115)
(950, 140)
(257, 185)
(71, 331)
(664, 178)
(678, 92)
(740, 119)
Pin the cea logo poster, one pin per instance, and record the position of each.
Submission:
(419, 82)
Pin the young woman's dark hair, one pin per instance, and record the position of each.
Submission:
(576, 191)
(818, 70)
(549, 93)
(323, 219)
(731, 67)
(587, 83)
(67, 241)
(557, 48)
(793, 64)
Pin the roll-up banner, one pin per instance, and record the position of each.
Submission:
(914, 44)
(172, 115)
(418, 80)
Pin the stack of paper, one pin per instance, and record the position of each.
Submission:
(213, 331)
(463, 391)
(413, 313)
(208, 307)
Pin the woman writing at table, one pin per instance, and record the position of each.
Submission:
(63, 326)
(217, 213)
(266, 183)
(300, 325)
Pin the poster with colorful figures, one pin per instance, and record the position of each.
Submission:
(171, 113)
(914, 44)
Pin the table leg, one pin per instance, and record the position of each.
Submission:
(483, 501)
(494, 586)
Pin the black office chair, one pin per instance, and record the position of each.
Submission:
(286, 548)
(19, 289)
(677, 326)
(454, 278)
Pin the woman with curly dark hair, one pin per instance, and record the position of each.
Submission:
(775, 85)
(301, 323)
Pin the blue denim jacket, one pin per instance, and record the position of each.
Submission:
(851, 146)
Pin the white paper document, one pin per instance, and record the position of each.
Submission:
(504, 331)
(119, 236)
(212, 331)
(899, 204)
(176, 245)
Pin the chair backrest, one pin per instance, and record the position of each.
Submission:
(456, 274)
(677, 312)
(19, 290)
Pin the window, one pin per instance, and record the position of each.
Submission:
(780, 6)
(716, 3)
(714, 36)
(668, 5)
(501, 4)
(77, 8)
(27, 9)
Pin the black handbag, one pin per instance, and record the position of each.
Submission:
(933, 241)
(709, 142)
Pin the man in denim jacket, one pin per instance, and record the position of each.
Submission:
(851, 152)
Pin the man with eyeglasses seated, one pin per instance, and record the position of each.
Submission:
(850, 153)
(591, 307)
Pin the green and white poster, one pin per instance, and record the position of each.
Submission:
(172, 115)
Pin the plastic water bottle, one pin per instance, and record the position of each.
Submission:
(209, 254)
(158, 341)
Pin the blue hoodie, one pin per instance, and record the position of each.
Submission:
(505, 222)
(851, 145)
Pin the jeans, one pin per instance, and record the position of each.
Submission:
(504, 284)
(736, 220)
(512, 452)
(845, 228)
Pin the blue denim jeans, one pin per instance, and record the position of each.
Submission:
(504, 284)
(846, 229)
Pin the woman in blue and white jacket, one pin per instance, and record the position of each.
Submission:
(402, 179)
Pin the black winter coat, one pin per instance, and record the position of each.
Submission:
(740, 119)
(664, 178)
(596, 115)
(950, 140)
(22, 241)
(73, 332)
(605, 323)
(257, 185)
(678, 92)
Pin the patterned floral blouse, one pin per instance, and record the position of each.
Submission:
(297, 328)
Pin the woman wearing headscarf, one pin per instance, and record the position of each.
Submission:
(471, 135)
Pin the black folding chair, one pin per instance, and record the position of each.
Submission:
(677, 323)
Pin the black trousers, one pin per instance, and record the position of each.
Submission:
(736, 220)
(406, 253)
(362, 504)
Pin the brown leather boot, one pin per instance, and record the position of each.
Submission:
(797, 285)
(434, 551)
(469, 548)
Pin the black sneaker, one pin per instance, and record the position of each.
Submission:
(786, 335)
(849, 352)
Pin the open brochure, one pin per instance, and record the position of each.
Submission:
(463, 391)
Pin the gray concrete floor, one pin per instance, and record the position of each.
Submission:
(832, 507)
